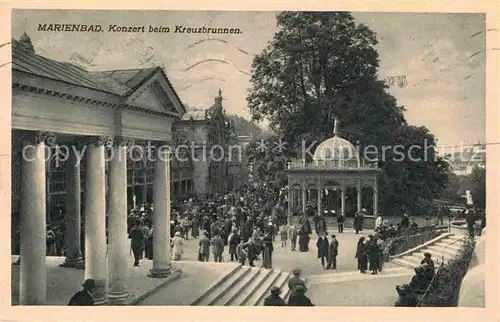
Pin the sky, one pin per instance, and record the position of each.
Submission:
(446, 86)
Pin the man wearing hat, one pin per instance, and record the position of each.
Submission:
(84, 297)
(204, 247)
(274, 299)
(340, 222)
(136, 236)
(298, 297)
(322, 245)
(333, 250)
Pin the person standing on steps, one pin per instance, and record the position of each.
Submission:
(333, 250)
(136, 236)
(233, 241)
(322, 245)
(242, 252)
(267, 243)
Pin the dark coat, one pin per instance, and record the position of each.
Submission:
(81, 298)
(322, 245)
(274, 300)
(294, 281)
(233, 242)
(137, 237)
(299, 299)
(333, 248)
(361, 256)
(374, 255)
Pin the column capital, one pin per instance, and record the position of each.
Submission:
(49, 138)
(122, 141)
(106, 141)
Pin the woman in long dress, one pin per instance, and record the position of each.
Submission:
(267, 242)
(361, 255)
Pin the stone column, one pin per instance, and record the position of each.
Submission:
(161, 216)
(304, 198)
(118, 239)
(290, 204)
(73, 211)
(95, 217)
(359, 190)
(342, 198)
(33, 272)
(144, 188)
(375, 197)
(319, 201)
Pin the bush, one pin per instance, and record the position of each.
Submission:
(446, 286)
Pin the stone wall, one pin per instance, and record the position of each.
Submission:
(472, 290)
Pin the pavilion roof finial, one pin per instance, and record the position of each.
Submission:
(335, 126)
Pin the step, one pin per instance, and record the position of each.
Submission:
(261, 291)
(437, 251)
(237, 289)
(280, 282)
(216, 284)
(446, 245)
(220, 290)
(420, 256)
(406, 261)
(246, 293)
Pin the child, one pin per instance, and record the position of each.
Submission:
(284, 235)
(241, 252)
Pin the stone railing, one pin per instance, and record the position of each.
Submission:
(331, 164)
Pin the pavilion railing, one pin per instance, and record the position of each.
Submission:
(411, 238)
(332, 164)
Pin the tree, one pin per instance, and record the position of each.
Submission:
(322, 65)
(268, 160)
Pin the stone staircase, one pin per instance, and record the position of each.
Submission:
(443, 247)
(244, 286)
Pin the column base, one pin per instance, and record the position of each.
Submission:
(73, 262)
(119, 298)
(99, 293)
(160, 272)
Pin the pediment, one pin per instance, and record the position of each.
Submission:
(156, 95)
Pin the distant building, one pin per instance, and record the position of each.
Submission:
(462, 163)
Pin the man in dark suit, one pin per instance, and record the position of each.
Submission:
(274, 299)
(84, 297)
(322, 245)
(137, 239)
(333, 250)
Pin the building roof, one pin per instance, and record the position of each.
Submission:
(335, 148)
(118, 82)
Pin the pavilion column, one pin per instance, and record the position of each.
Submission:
(161, 216)
(290, 205)
(342, 198)
(95, 217)
(319, 201)
(375, 197)
(73, 212)
(304, 198)
(144, 188)
(359, 190)
(33, 272)
(118, 239)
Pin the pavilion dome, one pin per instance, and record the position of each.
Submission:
(336, 148)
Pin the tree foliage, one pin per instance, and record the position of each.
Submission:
(478, 179)
(323, 65)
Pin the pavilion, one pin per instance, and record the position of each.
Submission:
(335, 167)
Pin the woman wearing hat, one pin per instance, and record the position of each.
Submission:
(274, 299)
(176, 245)
(361, 255)
(84, 297)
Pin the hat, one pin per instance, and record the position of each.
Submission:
(88, 284)
(333, 211)
(363, 209)
(428, 255)
(275, 290)
(296, 271)
(300, 288)
(177, 233)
